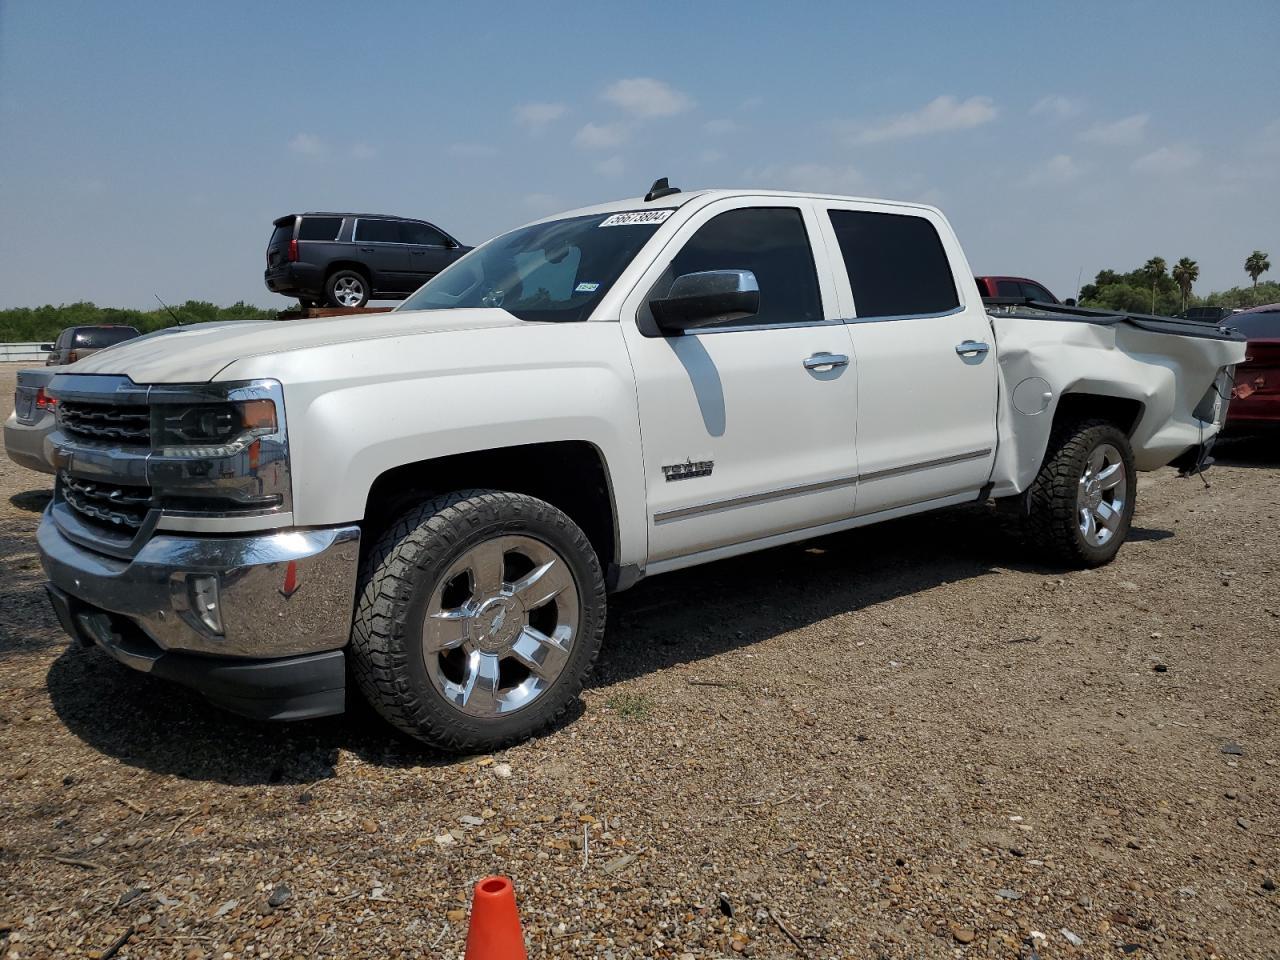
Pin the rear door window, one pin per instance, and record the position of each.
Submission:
(319, 228)
(896, 264)
(422, 234)
(378, 231)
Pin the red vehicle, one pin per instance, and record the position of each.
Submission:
(1255, 398)
(1019, 288)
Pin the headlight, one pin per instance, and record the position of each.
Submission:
(220, 449)
(211, 430)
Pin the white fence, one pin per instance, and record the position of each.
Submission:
(21, 352)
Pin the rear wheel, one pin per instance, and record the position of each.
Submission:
(1080, 507)
(479, 617)
(347, 288)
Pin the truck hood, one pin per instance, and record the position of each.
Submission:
(196, 353)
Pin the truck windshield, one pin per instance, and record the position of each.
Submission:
(555, 271)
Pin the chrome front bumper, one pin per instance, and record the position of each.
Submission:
(280, 594)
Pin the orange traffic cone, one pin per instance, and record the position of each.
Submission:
(495, 933)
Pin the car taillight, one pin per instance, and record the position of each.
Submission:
(44, 401)
(72, 356)
(293, 251)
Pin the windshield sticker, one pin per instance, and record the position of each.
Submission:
(586, 288)
(636, 218)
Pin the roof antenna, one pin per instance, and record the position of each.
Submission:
(176, 318)
(659, 189)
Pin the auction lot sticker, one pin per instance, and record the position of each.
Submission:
(636, 217)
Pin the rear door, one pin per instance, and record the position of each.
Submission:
(430, 251)
(381, 249)
(927, 375)
(278, 245)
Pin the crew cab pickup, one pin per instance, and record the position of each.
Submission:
(436, 501)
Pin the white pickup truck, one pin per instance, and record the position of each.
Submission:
(437, 500)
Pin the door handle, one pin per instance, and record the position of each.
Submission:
(829, 360)
(972, 348)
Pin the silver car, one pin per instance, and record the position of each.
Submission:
(31, 421)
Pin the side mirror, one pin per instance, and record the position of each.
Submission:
(47, 347)
(703, 299)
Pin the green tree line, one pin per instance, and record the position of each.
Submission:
(28, 324)
(1156, 288)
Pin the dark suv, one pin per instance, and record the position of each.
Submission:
(347, 259)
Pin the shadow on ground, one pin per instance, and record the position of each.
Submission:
(673, 619)
(32, 501)
(1255, 450)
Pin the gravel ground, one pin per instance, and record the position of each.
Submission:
(908, 741)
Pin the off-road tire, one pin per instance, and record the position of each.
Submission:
(1052, 514)
(397, 578)
(331, 297)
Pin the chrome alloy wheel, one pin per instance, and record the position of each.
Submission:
(1100, 502)
(348, 291)
(500, 625)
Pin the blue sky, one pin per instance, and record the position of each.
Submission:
(146, 147)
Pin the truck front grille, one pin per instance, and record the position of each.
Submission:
(121, 508)
(106, 423)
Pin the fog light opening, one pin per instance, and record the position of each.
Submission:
(202, 594)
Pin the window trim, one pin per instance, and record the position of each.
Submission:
(775, 203)
(297, 227)
(959, 308)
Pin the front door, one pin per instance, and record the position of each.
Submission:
(927, 377)
(429, 251)
(747, 429)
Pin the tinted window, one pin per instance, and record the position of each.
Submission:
(1034, 291)
(95, 338)
(770, 242)
(378, 231)
(1264, 324)
(281, 235)
(319, 228)
(411, 232)
(896, 264)
(1009, 288)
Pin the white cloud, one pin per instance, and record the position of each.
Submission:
(1060, 168)
(363, 151)
(944, 113)
(308, 144)
(1166, 160)
(613, 167)
(720, 126)
(646, 97)
(473, 151)
(1118, 133)
(535, 116)
(1056, 105)
(601, 136)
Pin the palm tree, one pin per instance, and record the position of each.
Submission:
(1186, 272)
(1256, 264)
(1155, 269)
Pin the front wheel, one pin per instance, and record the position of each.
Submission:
(1080, 507)
(479, 616)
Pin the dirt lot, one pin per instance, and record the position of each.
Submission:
(909, 741)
